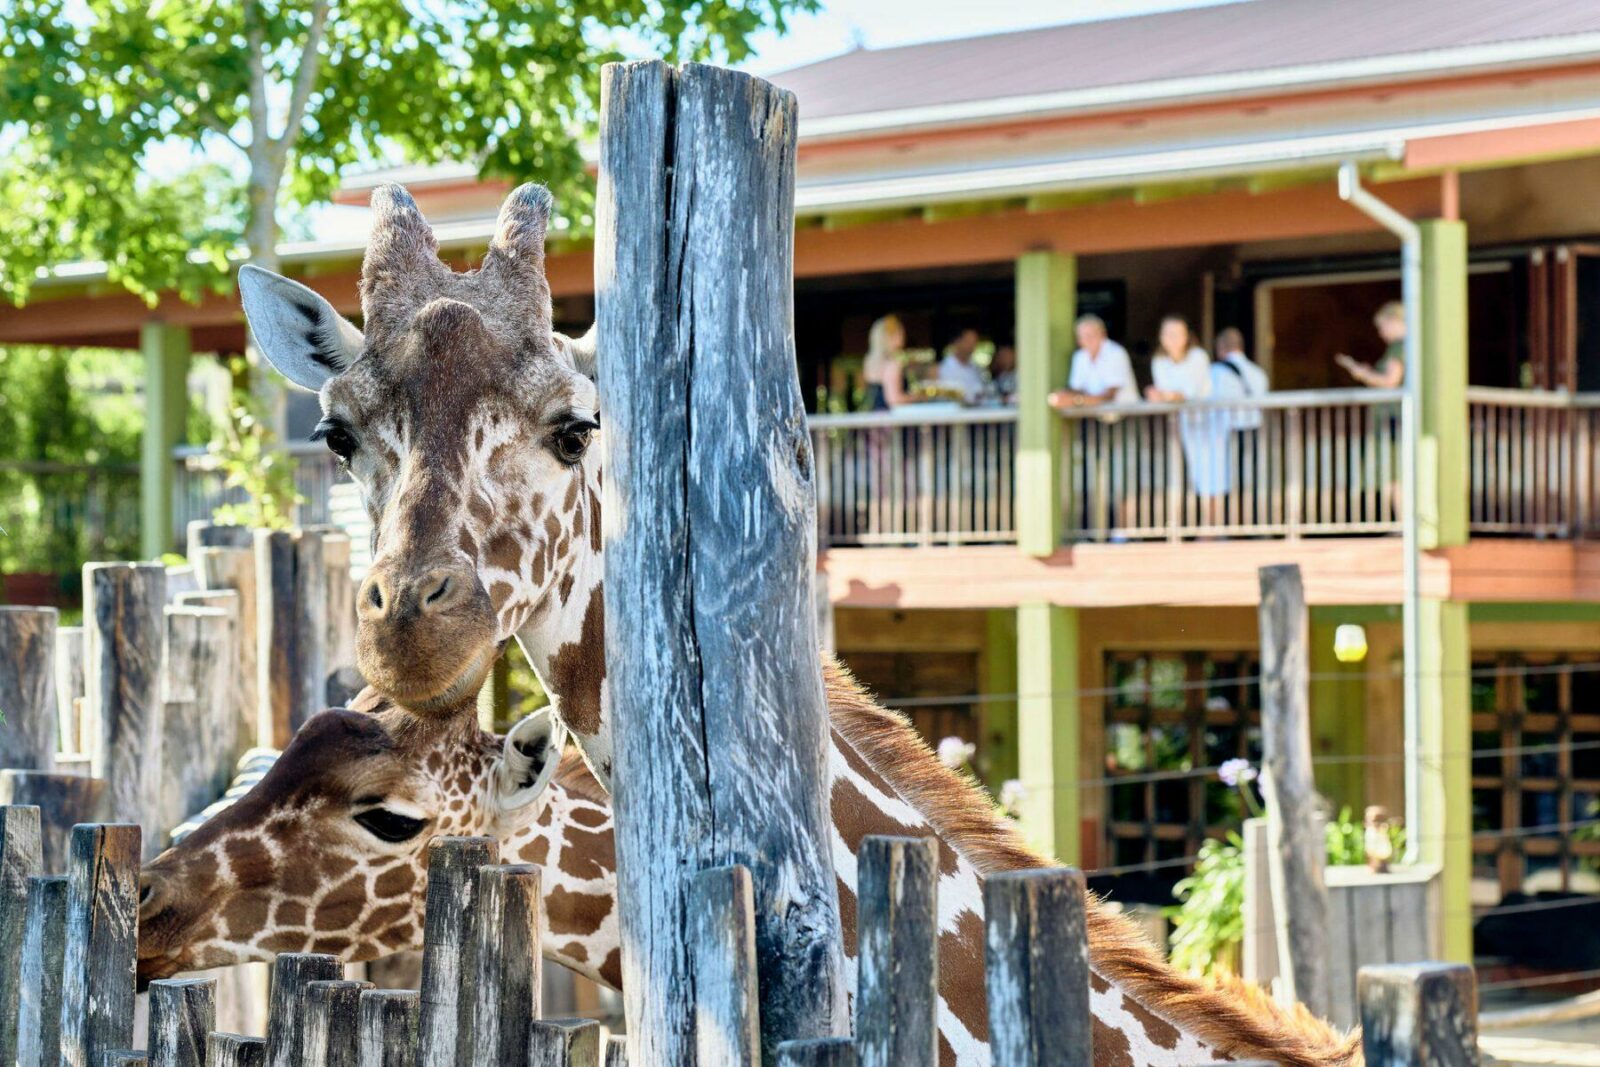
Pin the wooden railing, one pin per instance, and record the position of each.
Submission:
(1534, 465)
(199, 485)
(915, 477)
(1284, 465)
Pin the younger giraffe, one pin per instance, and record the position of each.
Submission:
(303, 864)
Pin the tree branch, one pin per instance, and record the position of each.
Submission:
(305, 79)
(197, 109)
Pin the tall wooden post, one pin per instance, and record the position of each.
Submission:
(123, 624)
(28, 731)
(19, 862)
(710, 522)
(1297, 850)
(97, 975)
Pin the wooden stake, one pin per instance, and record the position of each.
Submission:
(897, 991)
(39, 976)
(506, 930)
(102, 939)
(29, 732)
(1419, 1015)
(389, 1027)
(183, 1012)
(236, 1050)
(564, 1043)
(1036, 951)
(449, 969)
(331, 1035)
(63, 800)
(291, 973)
(722, 929)
(19, 863)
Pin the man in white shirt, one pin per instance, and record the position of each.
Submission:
(1235, 377)
(1101, 371)
(958, 370)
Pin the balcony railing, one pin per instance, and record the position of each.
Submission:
(199, 485)
(1534, 465)
(1284, 465)
(915, 476)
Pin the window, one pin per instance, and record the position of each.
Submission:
(1171, 718)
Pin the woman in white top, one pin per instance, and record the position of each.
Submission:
(882, 369)
(1182, 372)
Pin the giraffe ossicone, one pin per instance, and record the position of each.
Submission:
(470, 430)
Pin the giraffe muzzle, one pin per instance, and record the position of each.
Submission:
(427, 636)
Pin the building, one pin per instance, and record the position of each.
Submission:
(1050, 586)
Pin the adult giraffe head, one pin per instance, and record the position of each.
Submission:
(328, 852)
(468, 423)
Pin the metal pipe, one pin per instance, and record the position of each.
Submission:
(1410, 235)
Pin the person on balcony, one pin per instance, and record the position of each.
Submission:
(1390, 370)
(1101, 371)
(958, 371)
(883, 368)
(1234, 376)
(1182, 373)
(1003, 375)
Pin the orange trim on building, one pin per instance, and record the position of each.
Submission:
(1495, 146)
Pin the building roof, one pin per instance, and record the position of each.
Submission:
(1244, 46)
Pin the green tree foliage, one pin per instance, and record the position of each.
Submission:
(96, 96)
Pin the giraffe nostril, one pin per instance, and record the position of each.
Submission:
(144, 893)
(375, 596)
(444, 587)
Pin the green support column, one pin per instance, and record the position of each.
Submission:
(166, 408)
(1442, 320)
(1446, 744)
(1048, 727)
(999, 717)
(1046, 304)
(1445, 658)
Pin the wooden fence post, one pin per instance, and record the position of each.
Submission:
(236, 1050)
(509, 963)
(389, 1027)
(449, 970)
(616, 1051)
(19, 862)
(341, 681)
(1419, 1015)
(706, 432)
(818, 1052)
(1297, 851)
(39, 973)
(722, 932)
(202, 535)
(564, 1043)
(233, 568)
(63, 800)
(1036, 950)
(29, 732)
(123, 1057)
(331, 1035)
(278, 655)
(236, 710)
(69, 688)
(122, 618)
(199, 729)
(286, 1020)
(102, 939)
(897, 984)
(183, 1012)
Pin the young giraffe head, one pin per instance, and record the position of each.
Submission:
(467, 421)
(328, 852)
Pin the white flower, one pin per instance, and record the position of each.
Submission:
(954, 752)
(1012, 794)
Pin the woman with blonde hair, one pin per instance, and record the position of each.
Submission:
(1390, 371)
(883, 370)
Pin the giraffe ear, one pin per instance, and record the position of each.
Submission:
(581, 350)
(298, 331)
(528, 760)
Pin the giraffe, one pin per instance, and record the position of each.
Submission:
(469, 423)
(327, 853)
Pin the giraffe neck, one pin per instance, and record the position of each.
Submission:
(564, 642)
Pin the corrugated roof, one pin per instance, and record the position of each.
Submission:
(1207, 42)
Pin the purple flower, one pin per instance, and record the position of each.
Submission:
(1235, 772)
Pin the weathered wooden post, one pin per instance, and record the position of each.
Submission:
(1036, 950)
(102, 940)
(236, 1050)
(818, 1052)
(69, 688)
(224, 559)
(616, 1051)
(122, 618)
(63, 800)
(723, 940)
(278, 655)
(897, 988)
(1298, 851)
(389, 1027)
(236, 712)
(28, 729)
(19, 862)
(449, 964)
(564, 1043)
(1419, 1015)
(711, 546)
(509, 962)
(199, 726)
(331, 1035)
(291, 973)
(123, 1057)
(182, 1014)
(39, 974)
(341, 681)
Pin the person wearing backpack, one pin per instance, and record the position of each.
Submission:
(1235, 377)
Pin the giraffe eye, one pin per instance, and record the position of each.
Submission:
(390, 826)
(571, 441)
(340, 441)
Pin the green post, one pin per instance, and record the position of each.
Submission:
(1048, 727)
(1445, 656)
(166, 400)
(999, 716)
(1046, 303)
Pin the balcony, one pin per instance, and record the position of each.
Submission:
(1287, 466)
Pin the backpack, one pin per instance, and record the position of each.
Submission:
(1243, 418)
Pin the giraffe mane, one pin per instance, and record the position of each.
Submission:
(1236, 1017)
